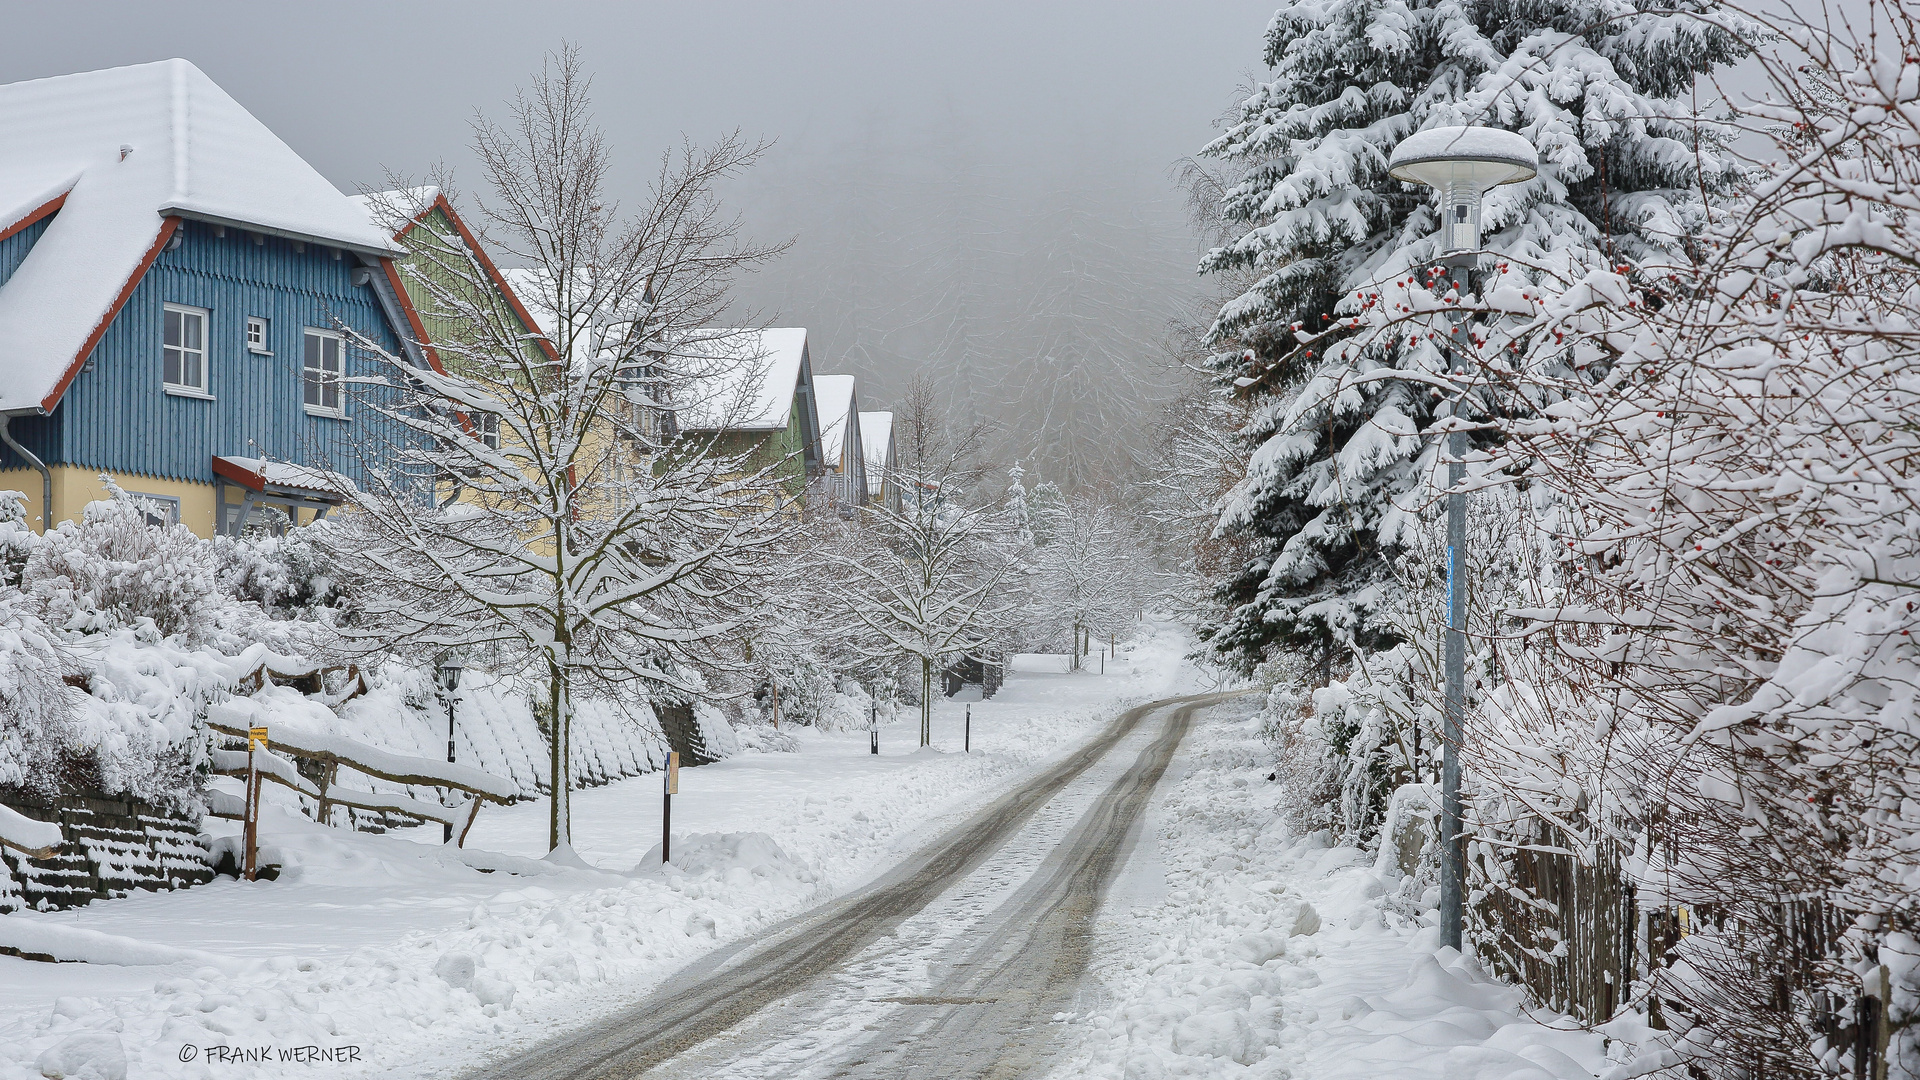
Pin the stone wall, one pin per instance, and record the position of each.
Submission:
(112, 846)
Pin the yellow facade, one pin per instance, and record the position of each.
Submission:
(75, 486)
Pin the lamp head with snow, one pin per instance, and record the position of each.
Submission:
(449, 671)
(1463, 163)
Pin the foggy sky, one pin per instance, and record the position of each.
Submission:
(980, 190)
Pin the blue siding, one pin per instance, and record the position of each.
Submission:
(118, 418)
(14, 248)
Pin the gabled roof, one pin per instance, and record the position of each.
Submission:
(833, 398)
(119, 157)
(876, 434)
(403, 209)
(754, 376)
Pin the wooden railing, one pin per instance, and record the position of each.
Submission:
(330, 752)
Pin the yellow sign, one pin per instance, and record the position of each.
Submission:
(256, 736)
(673, 772)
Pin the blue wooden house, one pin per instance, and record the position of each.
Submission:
(179, 298)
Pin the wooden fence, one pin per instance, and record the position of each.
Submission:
(1569, 925)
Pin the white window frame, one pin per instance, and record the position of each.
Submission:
(338, 410)
(168, 505)
(184, 388)
(488, 425)
(265, 326)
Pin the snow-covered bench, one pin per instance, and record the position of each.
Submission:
(332, 751)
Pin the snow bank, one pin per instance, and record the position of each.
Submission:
(1275, 954)
(35, 935)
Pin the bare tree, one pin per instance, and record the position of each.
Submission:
(932, 579)
(540, 507)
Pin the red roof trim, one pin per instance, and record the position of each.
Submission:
(499, 281)
(34, 215)
(246, 478)
(167, 226)
(413, 316)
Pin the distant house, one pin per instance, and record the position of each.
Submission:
(876, 431)
(759, 401)
(174, 286)
(424, 212)
(843, 456)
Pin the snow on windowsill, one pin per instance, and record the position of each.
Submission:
(189, 392)
(325, 414)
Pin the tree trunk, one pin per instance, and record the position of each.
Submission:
(926, 701)
(560, 823)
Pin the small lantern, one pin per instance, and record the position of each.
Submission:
(1463, 164)
(449, 672)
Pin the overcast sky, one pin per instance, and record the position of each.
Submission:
(966, 184)
(1111, 91)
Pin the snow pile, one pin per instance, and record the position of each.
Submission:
(1278, 954)
(738, 859)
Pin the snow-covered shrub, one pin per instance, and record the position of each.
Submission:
(16, 537)
(35, 702)
(114, 569)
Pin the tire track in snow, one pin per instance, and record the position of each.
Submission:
(713, 996)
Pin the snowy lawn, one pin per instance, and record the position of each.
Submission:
(1231, 948)
(406, 952)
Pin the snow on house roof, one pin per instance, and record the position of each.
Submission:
(876, 434)
(833, 398)
(123, 150)
(752, 380)
(283, 477)
(398, 210)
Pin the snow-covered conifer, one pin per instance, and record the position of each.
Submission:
(1605, 94)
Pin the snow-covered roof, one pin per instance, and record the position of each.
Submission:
(876, 434)
(116, 153)
(283, 477)
(398, 210)
(833, 399)
(752, 381)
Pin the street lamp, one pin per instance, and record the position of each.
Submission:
(1463, 164)
(449, 672)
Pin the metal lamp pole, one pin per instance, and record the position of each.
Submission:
(1463, 164)
(450, 668)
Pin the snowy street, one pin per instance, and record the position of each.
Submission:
(953, 963)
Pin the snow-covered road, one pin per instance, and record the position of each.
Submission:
(951, 965)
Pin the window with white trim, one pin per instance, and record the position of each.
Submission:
(159, 510)
(490, 430)
(257, 335)
(184, 348)
(322, 361)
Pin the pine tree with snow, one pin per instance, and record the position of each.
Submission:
(1019, 514)
(1603, 92)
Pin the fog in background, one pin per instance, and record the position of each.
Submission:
(980, 191)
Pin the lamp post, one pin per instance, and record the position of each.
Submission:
(449, 672)
(1463, 164)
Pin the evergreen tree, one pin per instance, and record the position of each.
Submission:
(1604, 93)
